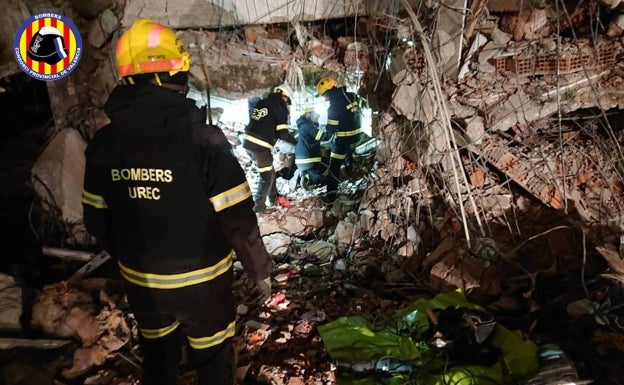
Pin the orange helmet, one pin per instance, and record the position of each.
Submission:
(149, 47)
(325, 84)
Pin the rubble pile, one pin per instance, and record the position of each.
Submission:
(497, 173)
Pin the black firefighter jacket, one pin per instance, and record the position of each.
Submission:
(309, 138)
(165, 195)
(267, 123)
(344, 114)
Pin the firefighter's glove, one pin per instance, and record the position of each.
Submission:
(264, 286)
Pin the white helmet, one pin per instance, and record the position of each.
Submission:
(284, 90)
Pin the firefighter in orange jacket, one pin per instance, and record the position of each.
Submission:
(344, 117)
(168, 199)
(268, 122)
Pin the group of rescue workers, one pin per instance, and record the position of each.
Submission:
(175, 249)
(268, 122)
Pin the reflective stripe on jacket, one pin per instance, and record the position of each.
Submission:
(308, 147)
(344, 114)
(268, 122)
(165, 195)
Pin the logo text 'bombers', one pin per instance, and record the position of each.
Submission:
(47, 46)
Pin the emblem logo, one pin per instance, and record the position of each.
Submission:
(47, 46)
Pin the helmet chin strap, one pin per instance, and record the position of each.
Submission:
(183, 89)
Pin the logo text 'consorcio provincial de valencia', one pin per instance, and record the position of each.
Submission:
(47, 46)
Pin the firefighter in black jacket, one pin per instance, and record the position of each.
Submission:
(344, 118)
(268, 122)
(168, 199)
(308, 149)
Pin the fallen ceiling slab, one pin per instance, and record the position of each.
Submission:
(215, 14)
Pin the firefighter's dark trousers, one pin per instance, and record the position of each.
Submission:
(266, 183)
(162, 357)
(199, 318)
(341, 149)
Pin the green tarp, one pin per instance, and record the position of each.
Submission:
(400, 336)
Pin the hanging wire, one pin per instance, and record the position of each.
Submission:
(446, 128)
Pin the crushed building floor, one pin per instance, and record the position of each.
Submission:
(549, 288)
(493, 167)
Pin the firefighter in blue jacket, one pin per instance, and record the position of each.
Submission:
(165, 195)
(344, 117)
(268, 122)
(308, 149)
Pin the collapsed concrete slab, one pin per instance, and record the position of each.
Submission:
(57, 177)
(216, 14)
(10, 304)
(14, 13)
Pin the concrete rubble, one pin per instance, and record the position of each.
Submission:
(496, 169)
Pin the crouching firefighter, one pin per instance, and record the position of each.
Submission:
(267, 123)
(167, 198)
(308, 149)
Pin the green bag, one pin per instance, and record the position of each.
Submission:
(355, 339)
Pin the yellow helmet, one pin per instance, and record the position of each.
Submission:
(325, 84)
(149, 47)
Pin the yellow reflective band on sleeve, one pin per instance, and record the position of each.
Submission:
(157, 333)
(348, 133)
(307, 160)
(258, 141)
(96, 201)
(338, 156)
(265, 169)
(319, 134)
(213, 340)
(281, 127)
(231, 197)
(333, 122)
(175, 281)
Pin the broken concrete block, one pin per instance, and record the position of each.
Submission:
(14, 12)
(271, 46)
(413, 236)
(343, 207)
(367, 219)
(444, 247)
(478, 42)
(320, 249)
(392, 230)
(408, 249)
(356, 57)
(616, 27)
(500, 37)
(102, 28)
(294, 221)
(277, 244)
(475, 129)
(450, 35)
(400, 72)
(253, 31)
(57, 177)
(10, 304)
(476, 277)
(346, 232)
